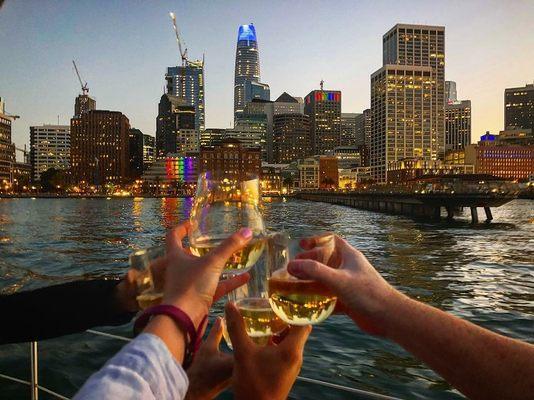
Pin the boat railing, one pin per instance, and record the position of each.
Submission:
(36, 388)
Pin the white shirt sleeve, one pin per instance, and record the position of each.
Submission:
(143, 369)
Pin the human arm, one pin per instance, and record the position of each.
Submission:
(264, 372)
(65, 309)
(191, 284)
(479, 363)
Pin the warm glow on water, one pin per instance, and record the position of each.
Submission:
(484, 273)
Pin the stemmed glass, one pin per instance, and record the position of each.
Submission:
(297, 301)
(222, 206)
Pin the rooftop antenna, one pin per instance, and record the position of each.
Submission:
(321, 84)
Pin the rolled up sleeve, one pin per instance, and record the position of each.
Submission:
(143, 369)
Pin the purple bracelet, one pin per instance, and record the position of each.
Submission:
(193, 337)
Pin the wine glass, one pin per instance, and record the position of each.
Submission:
(222, 206)
(252, 300)
(150, 290)
(297, 301)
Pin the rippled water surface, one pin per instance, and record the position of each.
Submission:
(483, 272)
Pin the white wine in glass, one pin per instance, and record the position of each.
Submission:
(221, 207)
(296, 301)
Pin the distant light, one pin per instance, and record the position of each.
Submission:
(247, 32)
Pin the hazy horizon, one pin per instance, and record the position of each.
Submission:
(123, 49)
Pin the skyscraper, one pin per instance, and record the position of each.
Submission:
(348, 129)
(83, 103)
(519, 107)
(324, 109)
(49, 148)
(100, 148)
(247, 64)
(457, 125)
(256, 91)
(175, 126)
(422, 45)
(187, 83)
(136, 147)
(291, 138)
(149, 151)
(408, 98)
(7, 149)
(451, 95)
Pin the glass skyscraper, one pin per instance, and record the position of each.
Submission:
(247, 65)
(187, 83)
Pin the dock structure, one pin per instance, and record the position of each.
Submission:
(425, 199)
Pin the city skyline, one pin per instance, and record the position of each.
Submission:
(57, 33)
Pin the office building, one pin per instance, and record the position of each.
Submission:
(409, 169)
(83, 104)
(230, 159)
(7, 149)
(291, 137)
(247, 64)
(212, 136)
(187, 83)
(408, 97)
(49, 148)
(250, 130)
(363, 135)
(172, 170)
(149, 151)
(136, 144)
(256, 91)
(519, 107)
(324, 110)
(318, 172)
(287, 104)
(457, 124)
(175, 127)
(349, 125)
(100, 148)
(348, 157)
(400, 132)
(517, 136)
(451, 96)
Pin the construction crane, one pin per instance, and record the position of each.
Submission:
(183, 49)
(85, 89)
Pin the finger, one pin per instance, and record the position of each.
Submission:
(313, 254)
(230, 245)
(215, 336)
(296, 338)
(236, 329)
(311, 269)
(176, 235)
(316, 241)
(157, 269)
(226, 286)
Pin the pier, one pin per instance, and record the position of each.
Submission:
(426, 198)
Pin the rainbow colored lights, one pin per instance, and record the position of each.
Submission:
(324, 96)
(182, 169)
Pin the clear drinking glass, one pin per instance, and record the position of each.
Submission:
(222, 206)
(252, 300)
(297, 301)
(149, 287)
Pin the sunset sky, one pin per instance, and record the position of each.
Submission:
(123, 48)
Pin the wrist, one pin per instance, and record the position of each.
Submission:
(194, 310)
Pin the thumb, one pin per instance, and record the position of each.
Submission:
(314, 270)
(215, 336)
(236, 329)
(231, 244)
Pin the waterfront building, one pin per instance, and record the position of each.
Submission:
(100, 148)
(149, 150)
(363, 175)
(457, 125)
(291, 137)
(212, 136)
(22, 172)
(324, 109)
(171, 171)
(408, 97)
(346, 178)
(7, 148)
(508, 161)
(251, 130)
(135, 138)
(230, 158)
(308, 173)
(318, 172)
(519, 107)
(49, 148)
(451, 96)
(328, 172)
(348, 157)
(83, 104)
(349, 125)
(187, 83)
(175, 127)
(400, 132)
(272, 178)
(247, 64)
(409, 169)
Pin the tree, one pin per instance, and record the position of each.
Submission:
(53, 180)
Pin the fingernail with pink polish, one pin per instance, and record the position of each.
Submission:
(246, 233)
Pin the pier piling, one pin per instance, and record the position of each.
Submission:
(489, 217)
(474, 215)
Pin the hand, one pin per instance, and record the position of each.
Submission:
(363, 293)
(211, 370)
(191, 282)
(126, 292)
(264, 372)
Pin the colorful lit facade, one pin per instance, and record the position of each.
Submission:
(324, 109)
